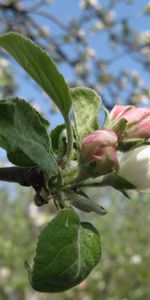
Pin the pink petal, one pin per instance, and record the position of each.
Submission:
(135, 115)
(118, 111)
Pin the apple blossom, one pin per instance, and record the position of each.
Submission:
(134, 166)
(137, 121)
(98, 152)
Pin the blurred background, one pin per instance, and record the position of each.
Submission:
(104, 45)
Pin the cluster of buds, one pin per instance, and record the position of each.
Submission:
(130, 122)
(121, 147)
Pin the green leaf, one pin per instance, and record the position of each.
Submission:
(43, 120)
(40, 67)
(66, 253)
(24, 137)
(86, 103)
(55, 134)
(117, 182)
(84, 203)
(59, 141)
(106, 116)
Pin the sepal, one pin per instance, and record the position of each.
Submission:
(84, 203)
(117, 182)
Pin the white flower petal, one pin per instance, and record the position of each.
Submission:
(134, 166)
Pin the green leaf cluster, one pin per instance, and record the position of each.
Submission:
(67, 249)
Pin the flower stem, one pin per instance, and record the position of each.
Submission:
(69, 142)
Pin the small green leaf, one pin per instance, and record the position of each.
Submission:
(86, 103)
(66, 253)
(117, 182)
(40, 67)
(59, 141)
(84, 203)
(23, 135)
(55, 134)
(106, 116)
(119, 127)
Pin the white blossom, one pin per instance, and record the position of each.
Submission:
(3, 62)
(84, 3)
(98, 25)
(136, 259)
(90, 52)
(4, 273)
(38, 218)
(134, 166)
(144, 36)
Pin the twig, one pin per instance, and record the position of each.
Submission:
(31, 176)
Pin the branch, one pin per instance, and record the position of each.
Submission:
(31, 176)
(51, 17)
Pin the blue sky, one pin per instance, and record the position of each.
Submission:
(66, 10)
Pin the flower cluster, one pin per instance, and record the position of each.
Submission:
(135, 121)
(121, 147)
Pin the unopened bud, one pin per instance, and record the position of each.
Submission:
(136, 121)
(98, 153)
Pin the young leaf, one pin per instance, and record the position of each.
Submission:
(117, 182)
(24, 136)
(84, 203)
(59, 141)
(88, 205)
(66, 253)
(55, 134)
(40, 67)
(86, 104)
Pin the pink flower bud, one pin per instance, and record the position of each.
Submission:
(98, 152)
(137, 121)
(118, 111)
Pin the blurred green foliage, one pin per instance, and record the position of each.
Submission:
(7, 82)
(123, 273)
